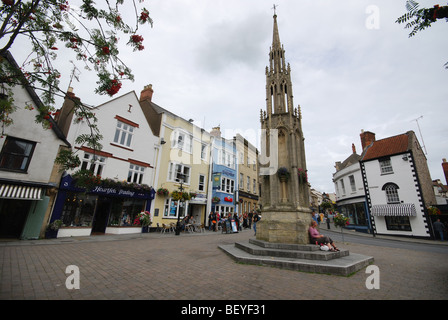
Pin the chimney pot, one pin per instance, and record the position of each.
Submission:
(147, 93)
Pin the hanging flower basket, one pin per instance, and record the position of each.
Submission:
(434, 211)
(340, 220)
(283, 174)
(163, 192)
(86, 179)
(216, 199)
(179, 195)
(303, 176)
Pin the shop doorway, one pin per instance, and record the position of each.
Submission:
(13, 214)
(101, 217)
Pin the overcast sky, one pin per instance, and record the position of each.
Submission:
(352, 66)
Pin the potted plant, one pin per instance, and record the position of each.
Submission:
(52, 229)
(143, 219)
(216, 199)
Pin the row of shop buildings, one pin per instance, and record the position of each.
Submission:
(387, 189)
(148, 156)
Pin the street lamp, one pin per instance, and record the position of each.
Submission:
(181, 179)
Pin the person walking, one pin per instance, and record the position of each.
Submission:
(439, 227)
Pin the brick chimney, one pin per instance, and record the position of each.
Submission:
(146, 93)
(65, 116)
(353, 148)
(445, 169)
(367, 138)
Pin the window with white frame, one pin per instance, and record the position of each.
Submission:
(123, 134)
(227, 159)
(173, 208)
(255, 186)
(386, 166)
(182, 140)
(227, 185)
(135, 173)
(241, 186)
(391, 190)
(342, 186)
(179, 172)
(248, 183)
(203, 152)
(201, 186)
(224, 210)
(93, 163)
(352, 183)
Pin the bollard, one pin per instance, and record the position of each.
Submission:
(328, 223)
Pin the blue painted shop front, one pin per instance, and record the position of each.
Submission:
(101, 209)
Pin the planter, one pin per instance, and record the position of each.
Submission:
(51, 234)
(145, 229)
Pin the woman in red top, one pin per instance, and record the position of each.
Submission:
(320, 239)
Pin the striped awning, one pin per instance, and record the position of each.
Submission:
(20, 192)
(399, 209)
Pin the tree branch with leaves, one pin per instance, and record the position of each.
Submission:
(422, 18)
(92, 33)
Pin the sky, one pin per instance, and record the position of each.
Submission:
(353, 68)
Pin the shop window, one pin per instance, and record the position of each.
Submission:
(398, 223)
(123, 212)
(16, 154)
(78, 210)
(174, 208)
(224, 210)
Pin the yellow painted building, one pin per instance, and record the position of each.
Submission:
(248, 188)
(182, 164)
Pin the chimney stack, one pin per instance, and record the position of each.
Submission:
(65, 116)
(146, 93)
(367, 138)
(445, 169)
(216, 132)
(353, 148)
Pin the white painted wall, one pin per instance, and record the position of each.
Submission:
(25, 127)
(403, 177)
